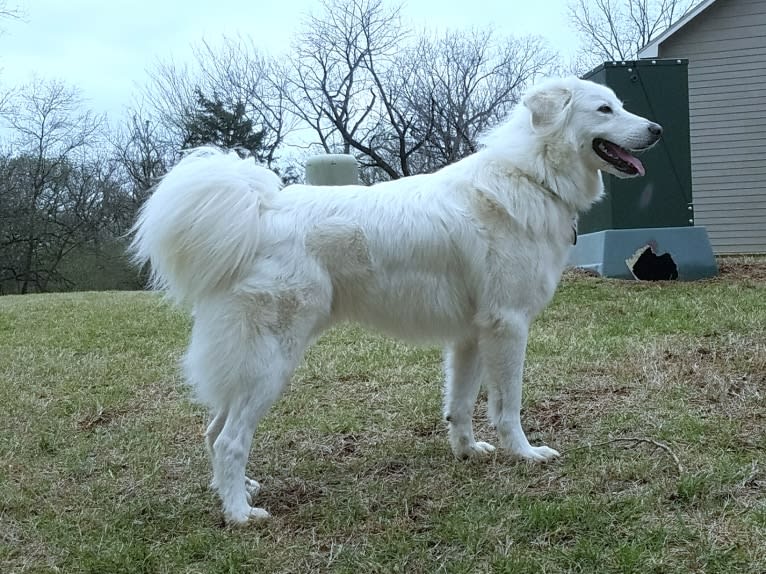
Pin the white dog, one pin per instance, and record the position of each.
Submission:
(466, 256)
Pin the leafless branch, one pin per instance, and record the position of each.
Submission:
(635, 441)
(618, 29)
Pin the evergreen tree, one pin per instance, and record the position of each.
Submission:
(213, 122)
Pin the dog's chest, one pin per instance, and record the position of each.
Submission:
(523, 272)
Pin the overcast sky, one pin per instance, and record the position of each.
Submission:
(104, 47)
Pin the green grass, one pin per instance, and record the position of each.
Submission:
(102, 466)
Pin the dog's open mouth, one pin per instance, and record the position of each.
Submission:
(618, 156)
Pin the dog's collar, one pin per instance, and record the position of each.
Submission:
(555, 195)
(543, 185)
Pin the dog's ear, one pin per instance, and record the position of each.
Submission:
(547, 104)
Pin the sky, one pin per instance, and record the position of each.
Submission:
(105, 47)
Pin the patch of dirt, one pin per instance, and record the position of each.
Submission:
(391, 469)
(576, 406)
(752, 268)
(99, 417)
(578, 272)
(283, 496)
(429, 430)
(723, 377)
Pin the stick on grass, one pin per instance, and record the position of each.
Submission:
(635, 441)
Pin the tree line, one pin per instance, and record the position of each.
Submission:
(357, 80)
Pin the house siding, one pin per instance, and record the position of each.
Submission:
(726, 49)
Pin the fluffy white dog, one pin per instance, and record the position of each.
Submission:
(466, 256)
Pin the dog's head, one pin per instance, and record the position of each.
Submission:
(592, 118)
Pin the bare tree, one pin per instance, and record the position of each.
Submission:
(7, 11)
(362, 83)
(169, 99)
(238, 72)
(233, 73)
(139, 151)
(140, 154)
(402, 107)
(464, 82)
(618, 29)
(340, 62)
(48, 195)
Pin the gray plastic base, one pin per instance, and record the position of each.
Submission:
(605, 252)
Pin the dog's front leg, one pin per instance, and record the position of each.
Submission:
(502, 346)
(461, 387)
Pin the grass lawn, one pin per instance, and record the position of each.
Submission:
(654, 393)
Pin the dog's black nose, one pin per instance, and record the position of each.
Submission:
(655, 129)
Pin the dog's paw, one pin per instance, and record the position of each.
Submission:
(258, 514)
(252, 488)
(252, 515)
(536, 453)
(473, 450)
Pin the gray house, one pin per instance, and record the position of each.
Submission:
(725, 43)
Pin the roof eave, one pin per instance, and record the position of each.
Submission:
(649, 51)
(652, 49)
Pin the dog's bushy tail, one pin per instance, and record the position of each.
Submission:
(200, 227)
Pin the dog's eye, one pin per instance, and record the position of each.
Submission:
(605, 109)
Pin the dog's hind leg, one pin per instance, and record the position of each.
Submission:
(252, 487)
(461, 387)
(231, 450)
(214, 428)
(239, 369)
(264, 375)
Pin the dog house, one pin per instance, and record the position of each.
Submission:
(663, 197)
(655, 211)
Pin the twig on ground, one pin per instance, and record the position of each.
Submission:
(636, 440)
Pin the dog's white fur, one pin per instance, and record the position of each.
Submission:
(466, 256)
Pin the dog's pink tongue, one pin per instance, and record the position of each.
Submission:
(632, 160)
